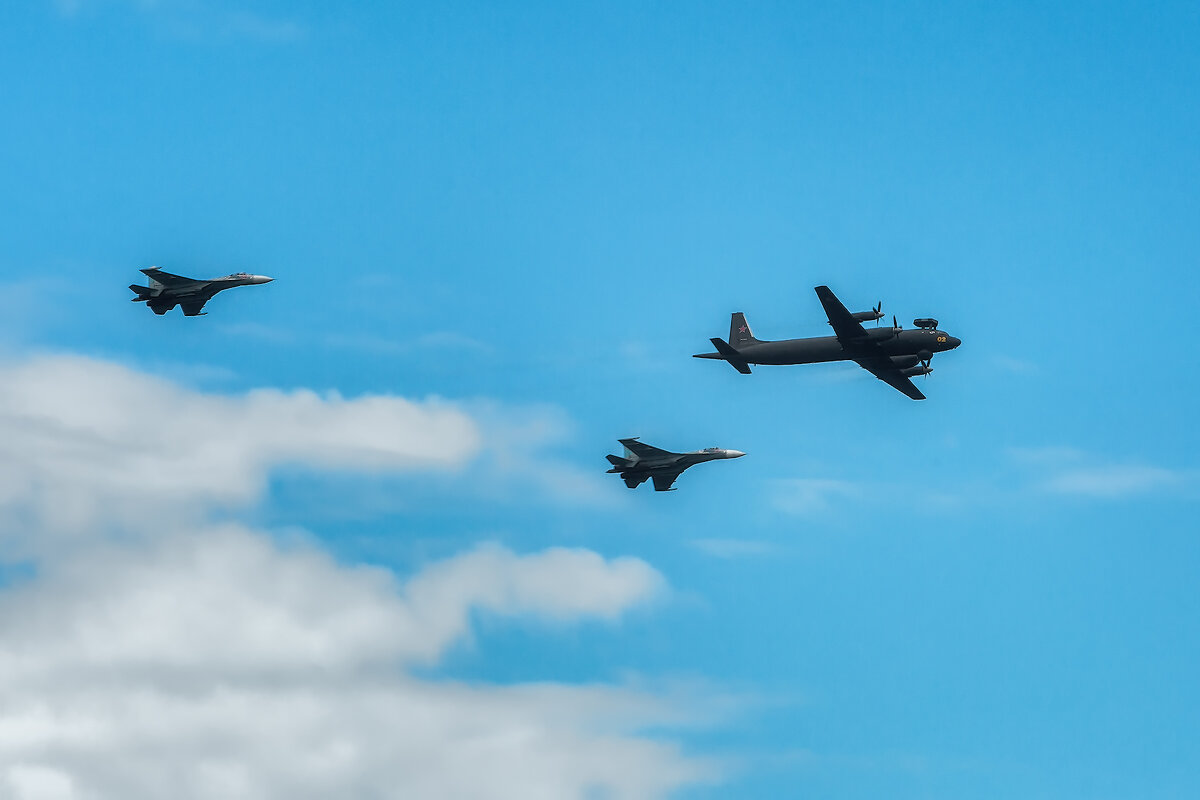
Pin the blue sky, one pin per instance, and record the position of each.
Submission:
(538, 213)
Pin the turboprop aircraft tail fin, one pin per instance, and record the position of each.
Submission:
(740, 334)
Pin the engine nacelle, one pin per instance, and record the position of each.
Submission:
(867, 316)
(877, 335)
(904, 362)
(926, 323)
(913, 372)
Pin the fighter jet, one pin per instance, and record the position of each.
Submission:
(890, 354)
(642, 461)
(166, 290)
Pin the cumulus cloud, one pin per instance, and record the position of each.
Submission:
(215, 664)
(83, 441)
(164, 654)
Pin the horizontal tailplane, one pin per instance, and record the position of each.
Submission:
(725, 352)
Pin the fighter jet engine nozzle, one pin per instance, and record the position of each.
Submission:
(913, 372)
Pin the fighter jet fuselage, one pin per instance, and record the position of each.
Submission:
(642, 462)
(166, 290)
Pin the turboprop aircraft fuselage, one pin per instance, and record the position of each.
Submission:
(891, 354)
(820, 349)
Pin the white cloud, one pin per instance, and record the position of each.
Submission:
(1113, 480)
(734, 548)
(216, 664)
(804, 496)
(1051, 455)
(1017, 366)
(384, 346)
(182, 593)
(1070, 471)
(162, 654)
(518, 458)
(197, 21)
(244, 24)
(257, 331)
(84, 441)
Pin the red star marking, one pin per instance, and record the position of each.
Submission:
(743, 329)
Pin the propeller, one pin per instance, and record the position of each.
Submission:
(878, 312)
(926, 356)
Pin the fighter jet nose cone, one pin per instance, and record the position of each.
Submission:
(734, 454)
(262, 279)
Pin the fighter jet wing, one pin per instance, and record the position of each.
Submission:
(643, 450)
(663, 480)
(192, 308)
(166, 278)
(845, 326)
(883, 368)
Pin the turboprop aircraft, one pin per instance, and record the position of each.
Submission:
(166, 290)
(893, 355)
(641, 461)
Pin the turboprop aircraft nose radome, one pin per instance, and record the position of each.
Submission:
(955, 342)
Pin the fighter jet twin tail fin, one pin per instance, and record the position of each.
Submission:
(619, 464)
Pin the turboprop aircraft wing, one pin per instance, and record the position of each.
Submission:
(883, 368)
(845, 326)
